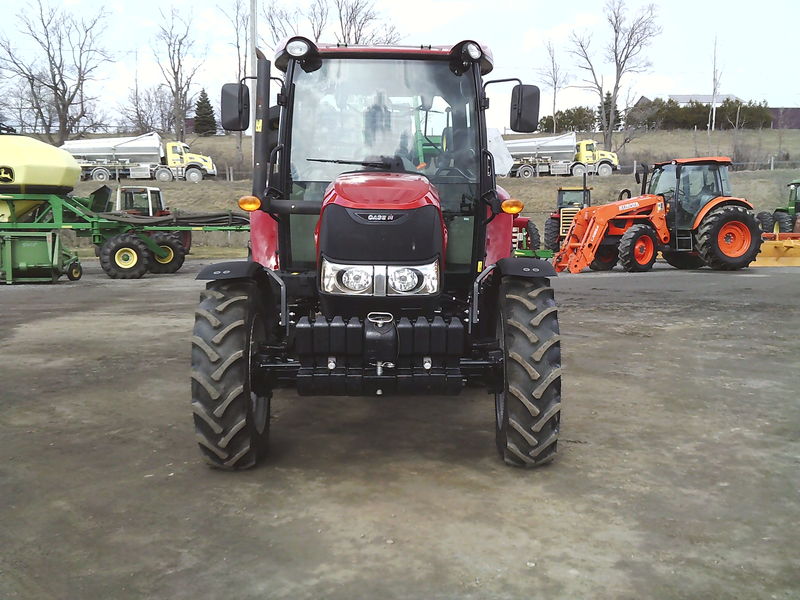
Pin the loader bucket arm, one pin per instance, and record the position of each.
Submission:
(592, 223)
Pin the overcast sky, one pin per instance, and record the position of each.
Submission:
(755, 51)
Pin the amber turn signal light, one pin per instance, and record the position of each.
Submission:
(512, 206)
(249, 203)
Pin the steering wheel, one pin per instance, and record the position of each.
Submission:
(445, 170)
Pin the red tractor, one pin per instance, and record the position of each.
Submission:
(379, 266)
(687, 213)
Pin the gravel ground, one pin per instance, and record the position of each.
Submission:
(677, 477)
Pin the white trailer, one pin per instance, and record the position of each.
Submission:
(559, 155)
(140, 157)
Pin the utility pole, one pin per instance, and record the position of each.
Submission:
(253, 73)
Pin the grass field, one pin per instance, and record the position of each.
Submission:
(764, 188)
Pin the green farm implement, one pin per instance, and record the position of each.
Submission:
(36, 207)
(128, 245)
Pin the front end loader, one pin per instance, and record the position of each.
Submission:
(685, 211)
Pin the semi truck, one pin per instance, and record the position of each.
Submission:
(141, 157)
(559, 155)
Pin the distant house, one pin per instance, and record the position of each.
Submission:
(785, 118)
(686, 99)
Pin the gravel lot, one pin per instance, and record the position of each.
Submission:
(678, 474)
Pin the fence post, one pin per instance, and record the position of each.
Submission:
(634, 167)
(771, 163)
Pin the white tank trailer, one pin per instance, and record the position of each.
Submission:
(140, 157)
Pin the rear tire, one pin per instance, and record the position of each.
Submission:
(605, 258)
(175, 254)
(783, 221)
(231, 421)
(534, 238)
(604, 170)
(765, 221)
(551, 231)
(124, 256)
(578, 170)
(164, 175)
(525, 171)
(683, 260)
(728, 238)
(528, 409)
(638, 248)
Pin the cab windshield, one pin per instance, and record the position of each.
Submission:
(699, 184)
(413, 116)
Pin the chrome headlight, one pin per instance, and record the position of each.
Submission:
(347, 279)
(379, 280)
(419, 279)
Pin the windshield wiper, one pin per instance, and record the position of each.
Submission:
(384, 163)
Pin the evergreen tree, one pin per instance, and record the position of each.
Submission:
(204, 121)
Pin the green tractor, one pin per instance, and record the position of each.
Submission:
(784, 218)
(569, 201)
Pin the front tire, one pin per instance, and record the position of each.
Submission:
(728, 238)
(124, 256)
(194, 175)
(604, 170)
(231, 418)
(528, 407)
(605, 258)
(638, 249)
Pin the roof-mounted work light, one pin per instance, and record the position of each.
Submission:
(299, 48)
(463, 54)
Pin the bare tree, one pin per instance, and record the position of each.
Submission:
(716, 77)
(174, 45)
(555, 77)
(239, 18)
(624, 52)
(354, 22)
(281, 22)
(317, 15)
(57, 72)
(148, 110)
(359, 23)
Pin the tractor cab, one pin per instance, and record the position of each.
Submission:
(688, 186)
(573, 197)
(140, 201)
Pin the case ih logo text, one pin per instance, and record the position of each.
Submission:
(6, 175)
(378, 216)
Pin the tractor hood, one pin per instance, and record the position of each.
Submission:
(378, 216)
(382, 191)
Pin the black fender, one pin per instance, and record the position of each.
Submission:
(524, 266)
(271, 287)
(485, 295)
(234, 269)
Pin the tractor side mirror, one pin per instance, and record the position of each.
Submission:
(638, 177)
(235, 107)
(525, 108)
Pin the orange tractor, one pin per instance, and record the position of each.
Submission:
(685, 211)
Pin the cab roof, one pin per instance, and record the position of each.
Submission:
(355, 51)
(720, 160)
